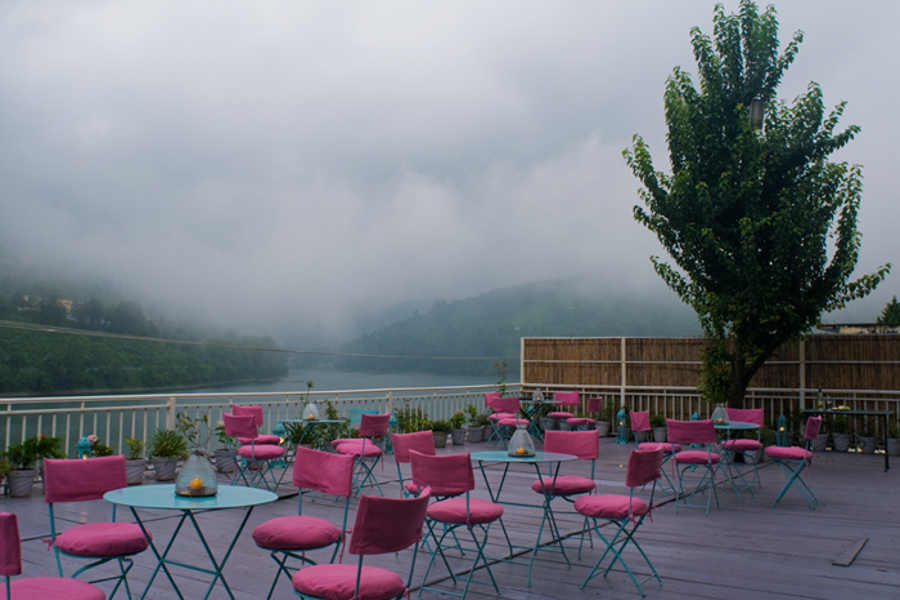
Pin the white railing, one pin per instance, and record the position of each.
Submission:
(115, 418)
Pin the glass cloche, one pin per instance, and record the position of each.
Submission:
(720, 415)
(311, 411)
(197, 477)
(520, 444)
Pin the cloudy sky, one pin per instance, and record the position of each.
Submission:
(293, 162)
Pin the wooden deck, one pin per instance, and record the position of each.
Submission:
(744, 549)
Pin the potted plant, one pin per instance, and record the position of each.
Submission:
(166, 448)
(224, 456)
(20, 478)
(658, 424)
(866, 441)
(893, 443)
(474, 431)
(98, 448)
(440, 429)
(135, 464)
(458, 434)
(840, 436)
(411, 419)
(5, 467)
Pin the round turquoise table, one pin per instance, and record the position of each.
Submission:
(163, 497)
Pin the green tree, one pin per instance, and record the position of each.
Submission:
(890, 315)
(760, 225)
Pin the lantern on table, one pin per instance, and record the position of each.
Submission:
(781, 435)
(720, 415)
(197, 477)
(311, 411)
(520, 444)
(84, 447)
(621, 427)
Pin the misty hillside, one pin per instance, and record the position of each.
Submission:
(492, 323)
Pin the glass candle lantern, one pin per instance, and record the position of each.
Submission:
(311, 411)
(197, 477)
(720, 415)
(520, 444)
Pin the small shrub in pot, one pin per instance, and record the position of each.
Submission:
(167, 447)
(135, 464)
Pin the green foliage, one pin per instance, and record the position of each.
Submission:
(458, 420)
(893, 430)
(750, 218)
(442, 426)
(135, 448)
(411, 419)
(767, 436)
(500, 368)
(194, 430)
(472, 413)
(318, 436)
(20, 457)
(840, 425)
(657, 421)
(98, 448)
(168, 444)
(5, 467)
(890, 315)
(24, 455)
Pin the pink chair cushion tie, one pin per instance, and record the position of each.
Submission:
(565, 485)
(102, 539)
(367, 450)
(610, 506)
(664, 446)
(296, 532)
(338, 582)
(697, 457)
(743, 445)
(788, 453)
(453, 510)
(560, 414)
(53, 588)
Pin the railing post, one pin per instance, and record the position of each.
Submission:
(624, 372)
(170, 413)
(390, 403)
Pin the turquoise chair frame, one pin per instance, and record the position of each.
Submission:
(794, 468)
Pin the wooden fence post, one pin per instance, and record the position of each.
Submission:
(801, 350)
(623, 363)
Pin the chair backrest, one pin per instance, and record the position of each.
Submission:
(327, 472)
(490, 398)
(374, 425)
(10, 547)
(583, 444)
(239, 425)
(643, 467)
(640, 420)
(252, 411)
(509, 404)
(566, 398)
(446, 475)
(746, 415)
(386, 525)
(78, 480)
(690, 432)
(813, 424)
(420, 441)
(595, 405)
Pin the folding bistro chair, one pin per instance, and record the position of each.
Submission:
(294, 536)
(365, 449)
(793, 460)
(382, 526)
(622, 511)
(257, 413)
(640, 423)
(564, 401)
(35, 588)
(79, 480)
(694, 432)
(450, 479)
(742, 446)
(504, 408)
(256, 460)
(420, 441)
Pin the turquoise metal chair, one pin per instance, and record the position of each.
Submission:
(702, 433)
(745, 447)
(255, 462)
(793, 460)
(364, 448)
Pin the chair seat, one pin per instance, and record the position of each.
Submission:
(742, 445)
(580, 421)
(264, 452)
(453, 510)
(102, 539)
(352, 449)
(296, 532)
(265, 438)
(501, 415)
(512, 422)
(666, 447)
(338, 582)
(560, 414)
(52, 588)
(565, 485)
(697, 457)
(788, 452)
(610, 506)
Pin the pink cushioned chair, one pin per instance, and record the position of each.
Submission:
(794, 459)
(255, 460)
(420, 441)
(81, 480)
(640, 423)
(505, 408)
(694, 432)
(294, 536)
(35, 588)
(450, 479)
(564, 402)
(622, 511)
(383, 525)
(745, 446)
(365, 449)
(490, 398)
(257, 413)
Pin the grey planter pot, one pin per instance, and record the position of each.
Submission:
(440, 439)
(224, 460)
(474, 434)
(659, 434)
(603, 428)
(134, 471)
(458, 436)
(20, 482)
(840, 442)
(164, 468)
(867, 445)
(893, 447)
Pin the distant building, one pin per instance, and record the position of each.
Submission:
(857, 328)
(65, 304)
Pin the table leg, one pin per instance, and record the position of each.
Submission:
(161, 559)
(550, 518)
(219, 566)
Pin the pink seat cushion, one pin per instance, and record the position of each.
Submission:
(453, 510)
(338, 582)
(560, 414)
(295, 533)
(265, 438)
(369, 449)
(512, 422)
(788, 453)
(264, 452)
(664, 446)
(53, 588)
(610, 506)
(579, 421)
(102, 539)
(696, 457)
(501, 415)
(565, 485)
(743, 445)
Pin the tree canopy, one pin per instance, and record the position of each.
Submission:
(890, 315)
(761, 227)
